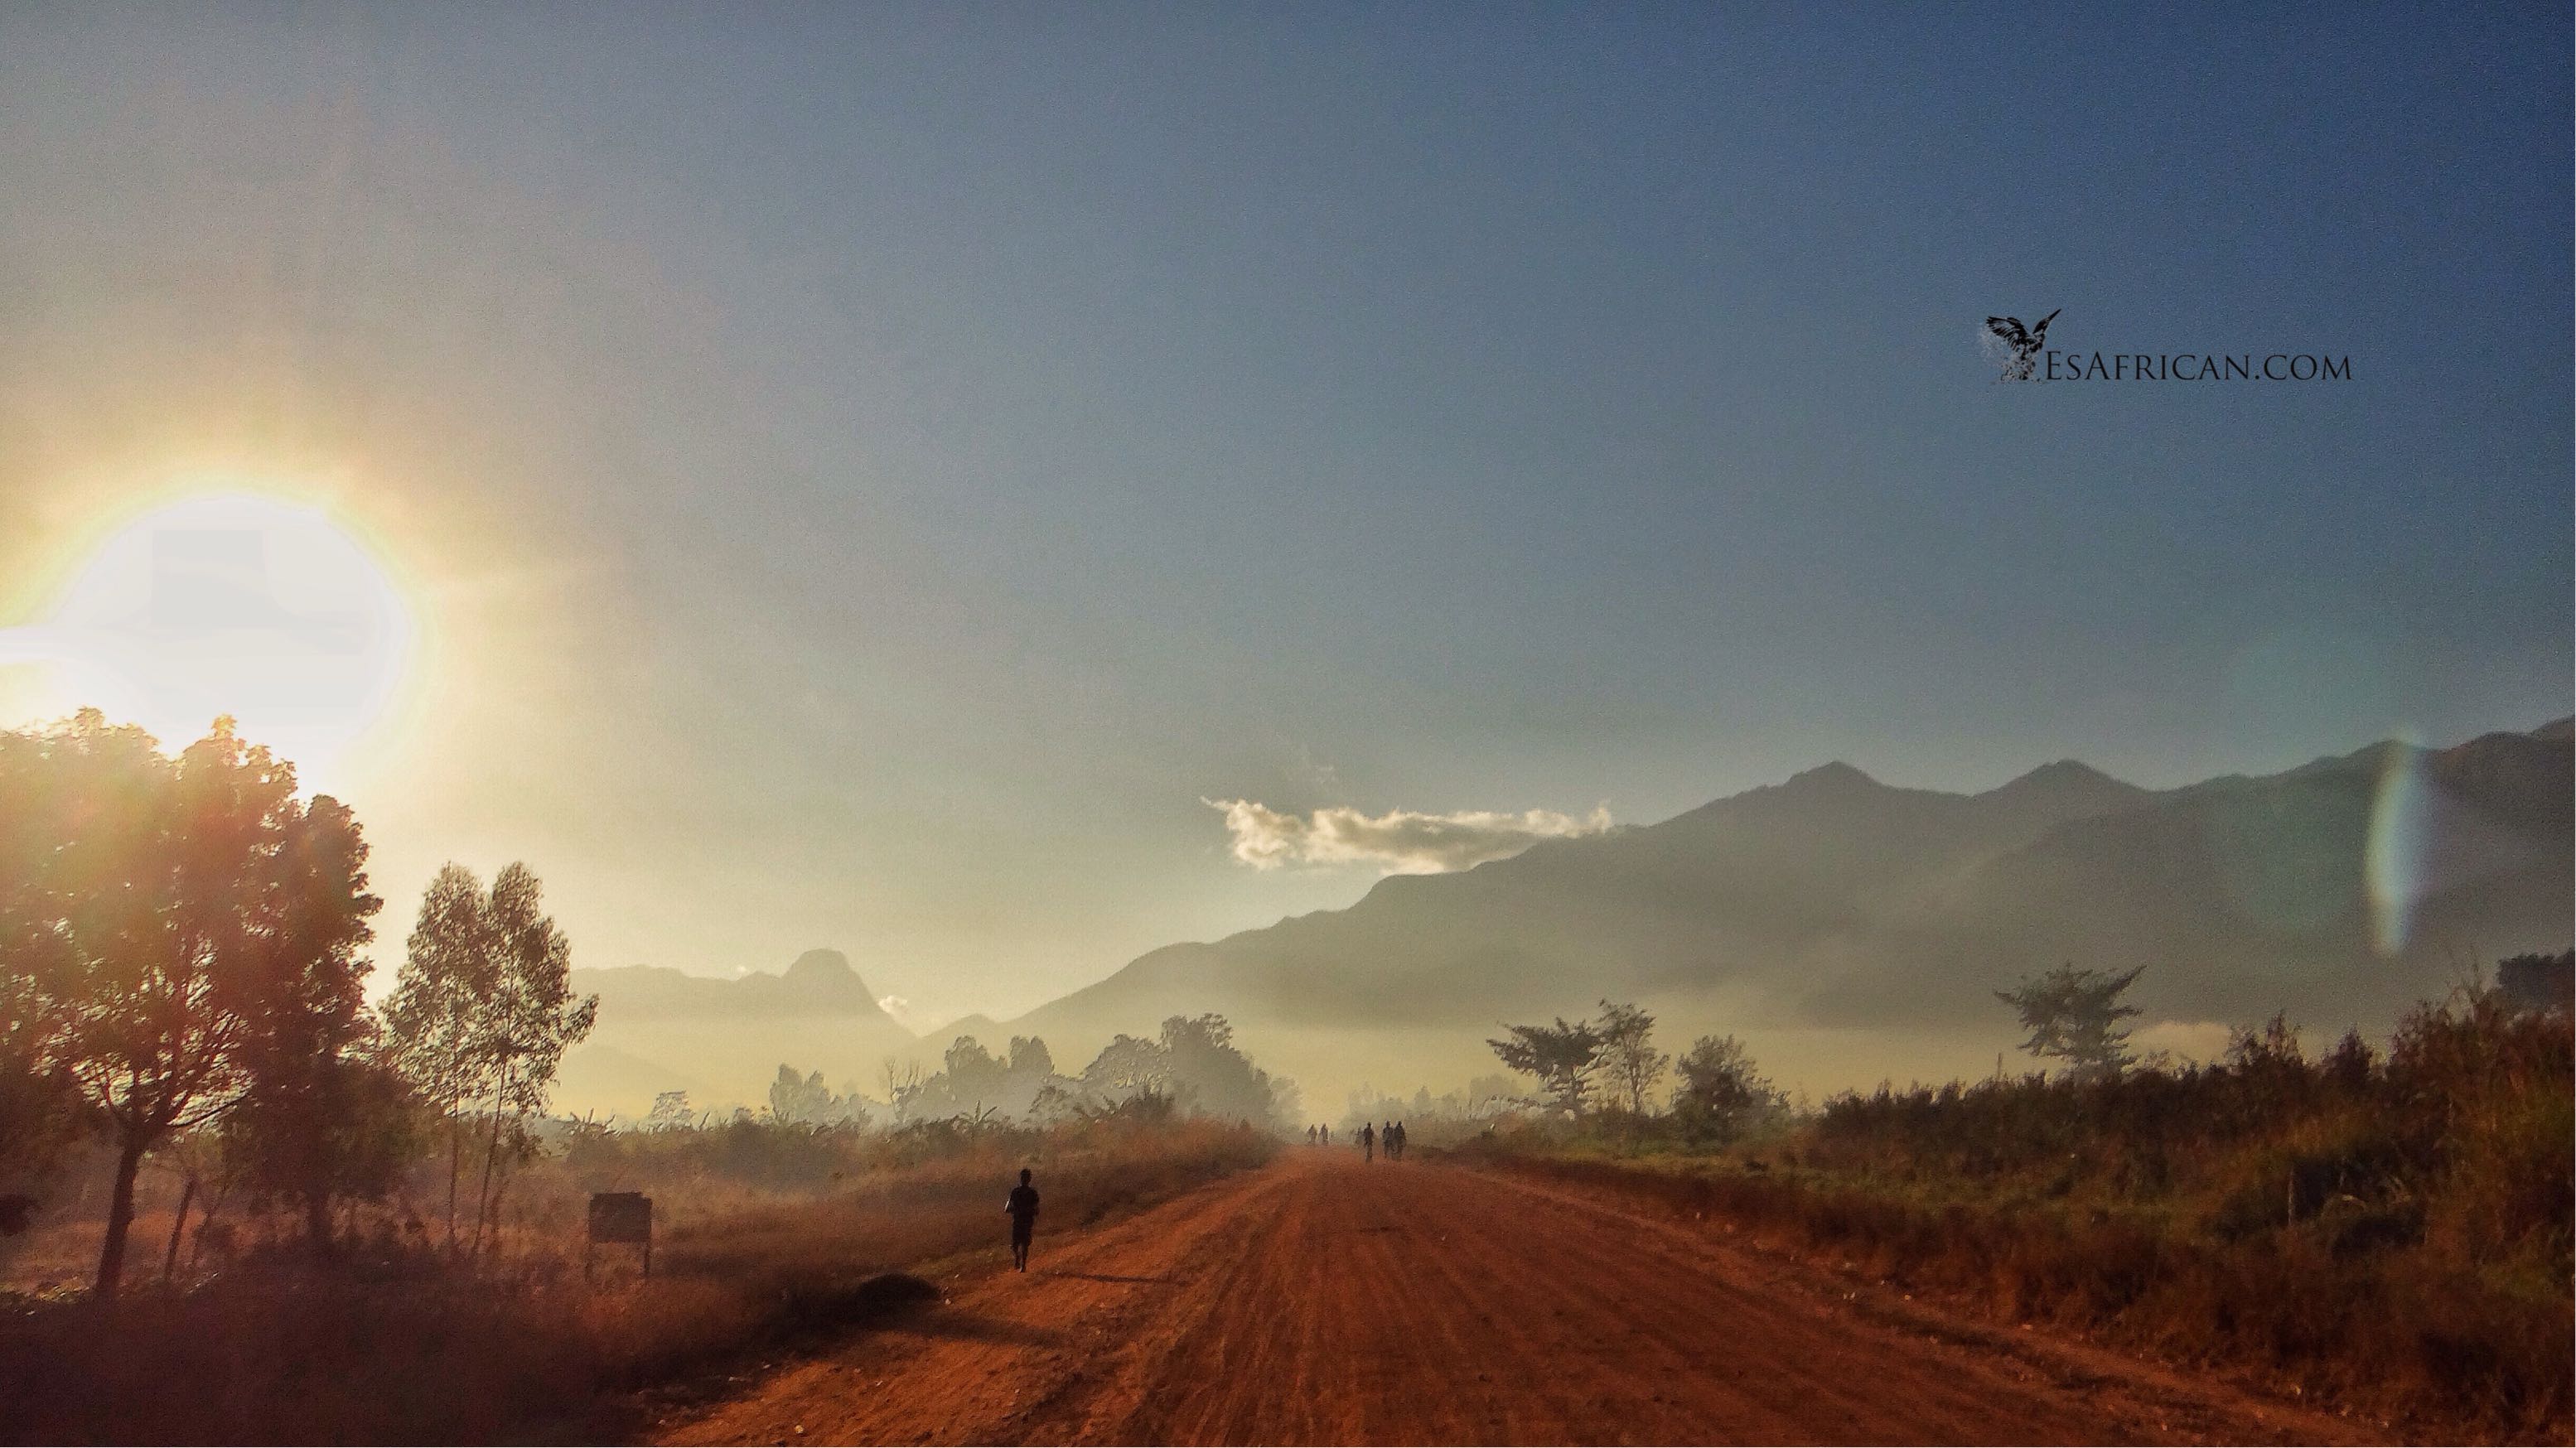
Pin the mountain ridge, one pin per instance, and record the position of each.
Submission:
(1819, 888)
(1827, 901)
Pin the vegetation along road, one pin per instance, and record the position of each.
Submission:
(1323, 1300)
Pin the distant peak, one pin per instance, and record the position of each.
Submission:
(821, 964)
(1836, 775)
(2062, 774)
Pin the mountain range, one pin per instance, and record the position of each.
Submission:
(1860, 923)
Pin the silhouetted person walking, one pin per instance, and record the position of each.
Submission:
(1023, 1209)
(1368, 1142)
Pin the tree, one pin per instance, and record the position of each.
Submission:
(437, 1021)
(1030, 1057)
(903, 1085)
(1721, 1093)
(536, 1022)
(337, 1127)
(1564, 1057)
(2074, 1016)
(1212, 1076)
(671, 1112)
(971, 1070)
(801, 1100)
(1489, 1096)
(2539, 982)
(181, 918)
(482, 1014)
(1127, 1067)
(1628, 1057)
(40, 1108)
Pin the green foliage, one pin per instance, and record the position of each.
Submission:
(1629, 1060)
(1722, 1094)
(2074, 1016)
(1564, 1057)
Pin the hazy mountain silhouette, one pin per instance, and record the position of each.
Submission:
(817, 982)
(1829, 903)
(1833, 900)
(723, 1040)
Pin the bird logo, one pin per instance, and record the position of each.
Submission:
(2025, 344)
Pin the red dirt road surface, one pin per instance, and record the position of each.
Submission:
(1322, 1301)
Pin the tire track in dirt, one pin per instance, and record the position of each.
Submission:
(1323, 1301)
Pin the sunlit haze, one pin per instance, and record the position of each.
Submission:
(228, 604)
(998, 499)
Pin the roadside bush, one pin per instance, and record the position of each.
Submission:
(2388, 1233)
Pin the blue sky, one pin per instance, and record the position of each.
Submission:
(877, 470)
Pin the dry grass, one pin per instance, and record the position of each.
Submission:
(2390, 1236)
(394, 1346)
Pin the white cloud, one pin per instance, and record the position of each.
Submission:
(895, 1006)
(1399, 842)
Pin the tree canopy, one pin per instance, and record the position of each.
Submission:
(1564, 1057)
(177, 927)
(2074, 1016)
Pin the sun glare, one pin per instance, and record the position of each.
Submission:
(231, 603)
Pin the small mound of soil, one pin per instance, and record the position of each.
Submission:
(892, 1291)
(831, 1308)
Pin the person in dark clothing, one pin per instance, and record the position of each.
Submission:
(1368, 1142)
(1022, 1205)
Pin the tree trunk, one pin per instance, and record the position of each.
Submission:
(120, 1215)
(455, 1159)
(491, 1149)
(170, 1259)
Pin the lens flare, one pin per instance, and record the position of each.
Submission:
(2393, 859)
(231, 603)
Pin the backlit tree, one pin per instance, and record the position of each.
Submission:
(179, 918)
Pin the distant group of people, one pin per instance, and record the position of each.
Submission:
(1373, 1139)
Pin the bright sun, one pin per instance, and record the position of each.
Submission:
(229, 604)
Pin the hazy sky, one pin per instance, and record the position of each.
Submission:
(871, 476)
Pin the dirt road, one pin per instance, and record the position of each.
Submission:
(1322, 1301)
